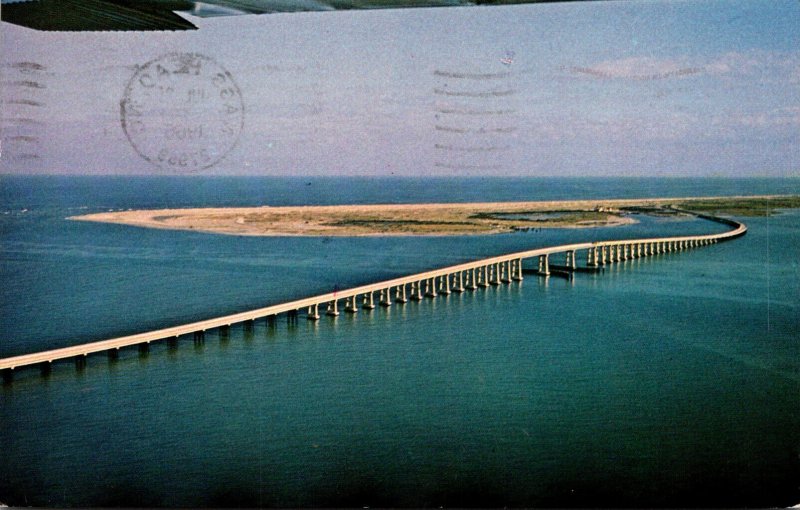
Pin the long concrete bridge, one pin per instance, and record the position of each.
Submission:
(502, 269)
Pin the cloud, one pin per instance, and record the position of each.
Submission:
(764, 66)
(638, 68)
(770, 66)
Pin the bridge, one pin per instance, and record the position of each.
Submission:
(502, 269)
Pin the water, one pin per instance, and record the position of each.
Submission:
(672, 380)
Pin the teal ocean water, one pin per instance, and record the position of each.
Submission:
(667, 381)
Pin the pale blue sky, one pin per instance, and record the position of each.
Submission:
(610, 88)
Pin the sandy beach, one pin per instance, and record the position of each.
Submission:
(412, 219)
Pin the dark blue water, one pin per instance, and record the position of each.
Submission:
(672, 380)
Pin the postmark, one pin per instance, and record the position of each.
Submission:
(182, 112)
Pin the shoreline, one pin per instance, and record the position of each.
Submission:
(435, 219)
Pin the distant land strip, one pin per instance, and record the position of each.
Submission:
(471, 76)
(430, 219)
(455, 111)
(480, 94)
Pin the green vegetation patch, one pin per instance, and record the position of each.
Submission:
(369, 223)
(744, 206)
(560, 216)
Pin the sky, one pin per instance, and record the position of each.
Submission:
(675, 88)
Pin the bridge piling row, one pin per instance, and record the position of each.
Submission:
(620, 251)
(460, 278)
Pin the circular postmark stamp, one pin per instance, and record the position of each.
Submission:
(182, 112)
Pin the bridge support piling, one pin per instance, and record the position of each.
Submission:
(368, 301)
(400, 293)
(313, 312)
(45, 368)
(493, 274)
(458, 282)
(444, 284)
(473, 284)
(569, 260)
(333, 308)
(144, 348)
(430, 288)
(544, 265)
(385, 298)
(351, 304)
(518, 270)
(113, 354)
(484, 277)
(80, 362)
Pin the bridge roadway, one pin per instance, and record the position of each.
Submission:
(484, 272)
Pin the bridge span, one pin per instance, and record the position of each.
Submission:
(502, 269)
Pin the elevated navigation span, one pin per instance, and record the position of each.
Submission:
(502, 269)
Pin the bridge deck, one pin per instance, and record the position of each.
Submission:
(184, 329)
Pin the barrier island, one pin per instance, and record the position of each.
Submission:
(432, 219)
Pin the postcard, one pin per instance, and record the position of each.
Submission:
(315, 253)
